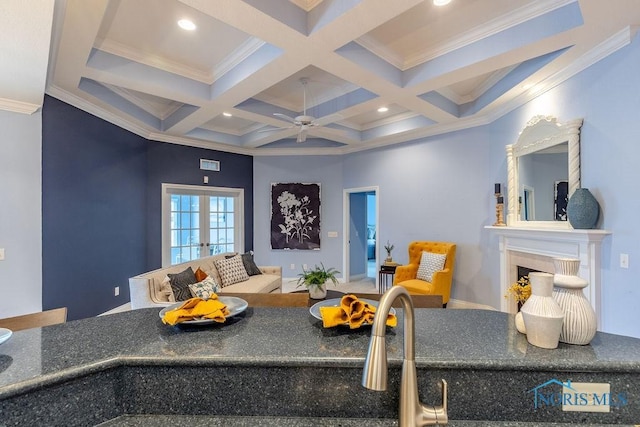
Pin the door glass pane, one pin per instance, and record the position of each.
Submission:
(185, 228)
(221, 236)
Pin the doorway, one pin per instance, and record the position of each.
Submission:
(360, 231)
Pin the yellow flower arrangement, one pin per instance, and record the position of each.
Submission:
(521, 290)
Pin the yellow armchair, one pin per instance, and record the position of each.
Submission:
(441, 282)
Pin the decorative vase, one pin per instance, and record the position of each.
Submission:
(317, 291)
(542, 315)
(583, 209)
(580, 321)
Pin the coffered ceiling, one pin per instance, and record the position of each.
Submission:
(436, 69)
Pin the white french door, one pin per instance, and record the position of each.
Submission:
(200, 221)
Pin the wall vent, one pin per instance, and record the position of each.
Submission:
(210, 165)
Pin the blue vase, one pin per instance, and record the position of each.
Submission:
(583, 209)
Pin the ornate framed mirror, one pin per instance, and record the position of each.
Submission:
(543, 170)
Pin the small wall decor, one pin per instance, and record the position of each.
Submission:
(295, 216)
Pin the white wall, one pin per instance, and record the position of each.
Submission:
(20, 213)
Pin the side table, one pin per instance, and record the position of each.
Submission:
(385, 276)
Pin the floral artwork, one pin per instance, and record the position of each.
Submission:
(295, 216)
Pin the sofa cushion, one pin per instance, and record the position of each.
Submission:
(429, 264)
(263, 283)
(205, 288)
(250, 264)
(180, 283)
(231, 270)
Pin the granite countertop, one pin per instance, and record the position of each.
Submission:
(466, 339)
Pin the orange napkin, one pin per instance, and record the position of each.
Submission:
(353, 312)
(197, 309)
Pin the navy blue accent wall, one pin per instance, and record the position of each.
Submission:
(93, 210)
(101, 214)
(177, 164)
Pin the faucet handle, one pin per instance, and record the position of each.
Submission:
(445, 389)
(432, 415)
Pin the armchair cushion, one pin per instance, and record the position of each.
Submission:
(429, 264)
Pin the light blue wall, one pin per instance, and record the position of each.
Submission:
(326, 170)
(20, 213)
(438, 189)
(441, 188)
(607, 97)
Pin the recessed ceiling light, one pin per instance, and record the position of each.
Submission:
(383, 109)
(186, 24)
(441, 2)
(227, 114)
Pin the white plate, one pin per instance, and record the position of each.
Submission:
(234, 304)
(335, 302)
(5, 334)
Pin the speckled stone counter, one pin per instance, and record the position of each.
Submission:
(280, 364)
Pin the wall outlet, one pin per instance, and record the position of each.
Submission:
(293, 266)
(624, 260)
(304, 266)
(1, 254)
(116, 291)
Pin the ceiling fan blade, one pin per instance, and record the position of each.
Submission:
(302, 135)
(284, 116)
(274, 129)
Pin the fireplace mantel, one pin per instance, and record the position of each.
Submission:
(538, 246)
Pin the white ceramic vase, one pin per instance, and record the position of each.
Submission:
(317, 292)
(580, 321)
(542, 315)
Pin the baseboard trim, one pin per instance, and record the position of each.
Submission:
(456, 303)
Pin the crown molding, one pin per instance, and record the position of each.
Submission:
(78, 102)
(18, 106)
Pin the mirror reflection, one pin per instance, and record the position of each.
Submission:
(544, 183)
(543, 168)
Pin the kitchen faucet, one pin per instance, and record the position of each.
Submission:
(412, 412)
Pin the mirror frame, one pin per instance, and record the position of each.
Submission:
(542, 132)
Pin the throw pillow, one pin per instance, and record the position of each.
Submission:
(180, 284)
(231, 270)
(429, 264)
(250, 264)
(205, 288)
(165, 289)
(200, 275)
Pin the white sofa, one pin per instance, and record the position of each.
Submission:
(145, 289)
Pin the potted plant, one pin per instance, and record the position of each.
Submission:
(388, 247)
(316, 279)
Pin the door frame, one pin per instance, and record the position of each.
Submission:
(346, 203)
(200, 190)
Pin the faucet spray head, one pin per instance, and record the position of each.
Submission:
(374, 376)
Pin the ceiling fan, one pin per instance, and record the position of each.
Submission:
(303, 122)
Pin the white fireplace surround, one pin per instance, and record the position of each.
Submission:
(536, 248)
